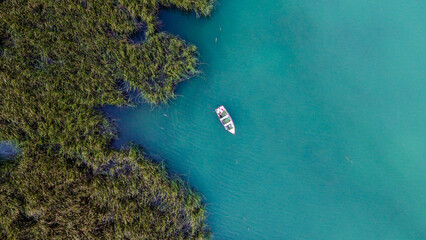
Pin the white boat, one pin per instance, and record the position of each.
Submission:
(225, 119)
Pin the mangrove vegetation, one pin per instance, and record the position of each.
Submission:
(60, 61)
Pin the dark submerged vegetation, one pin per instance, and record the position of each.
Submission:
(60, 61)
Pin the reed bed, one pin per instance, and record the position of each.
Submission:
(59, 62)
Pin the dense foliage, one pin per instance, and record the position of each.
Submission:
(49, 196)
(59, 61)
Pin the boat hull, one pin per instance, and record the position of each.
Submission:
(225, 119)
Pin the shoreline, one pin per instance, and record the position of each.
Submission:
(66, 172)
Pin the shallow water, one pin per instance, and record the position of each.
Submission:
(328, 98)
(7, 150)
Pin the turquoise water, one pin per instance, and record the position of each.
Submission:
(328, 98)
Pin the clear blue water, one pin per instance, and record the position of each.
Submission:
(328, 98)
